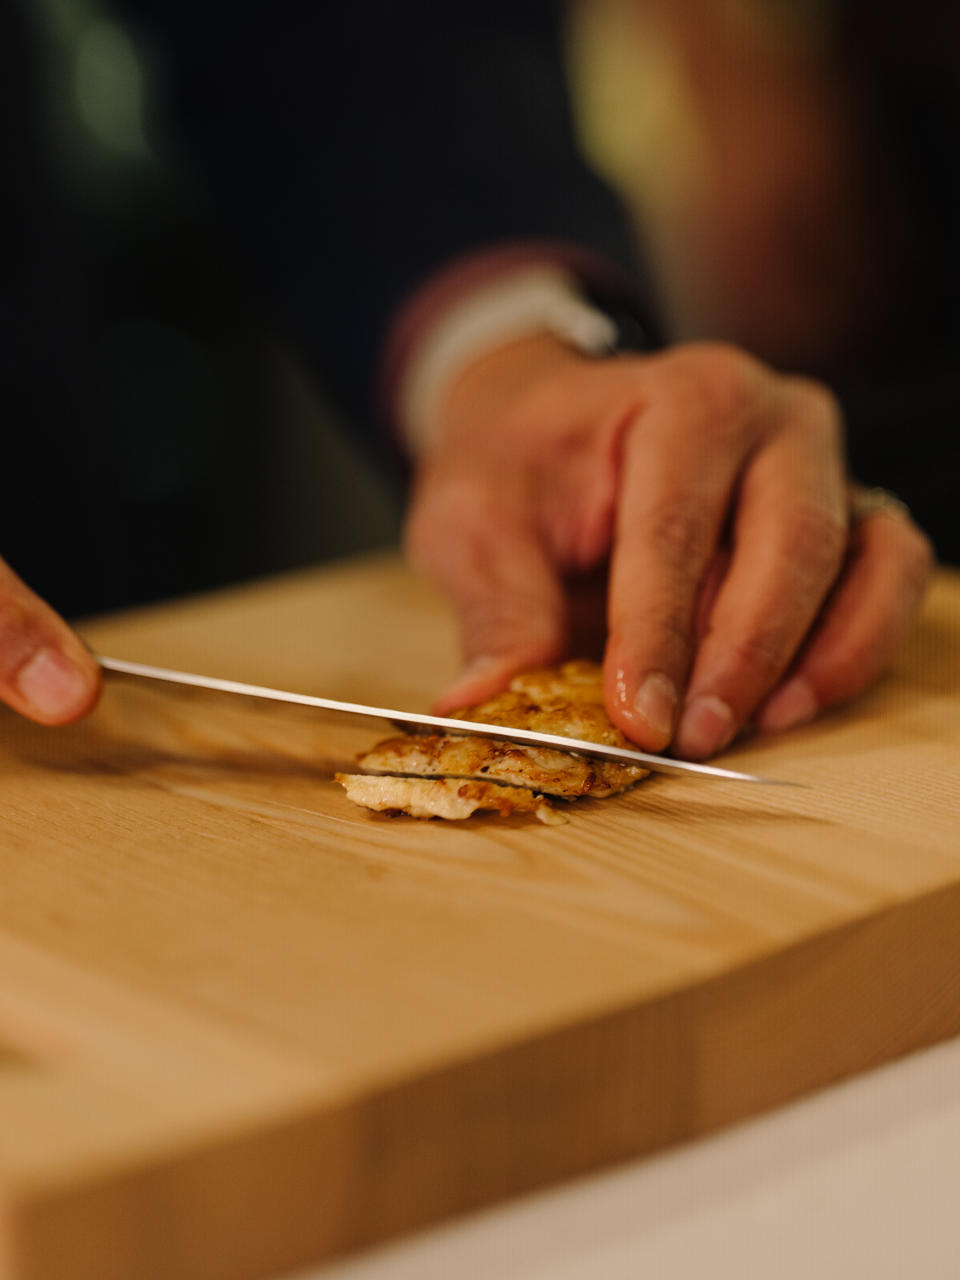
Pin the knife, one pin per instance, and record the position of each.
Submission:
(416, 720)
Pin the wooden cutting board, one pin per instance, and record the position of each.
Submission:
(244, 1024)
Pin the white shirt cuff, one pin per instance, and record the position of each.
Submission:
(535, 299)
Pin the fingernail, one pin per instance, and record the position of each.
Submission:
(793, 704)
(706, 726)
(52, 685)
(656, 702)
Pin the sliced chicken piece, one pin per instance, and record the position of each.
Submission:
(450, 798)
(567, 700)
(556, 773)
(453, 775)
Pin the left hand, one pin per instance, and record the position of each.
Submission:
(708, 491)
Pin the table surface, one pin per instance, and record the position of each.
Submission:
(858, 1180)
(228, 987)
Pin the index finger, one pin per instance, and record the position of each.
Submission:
(681, 462)
(788, 547)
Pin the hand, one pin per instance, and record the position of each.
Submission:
(45, 671)
(712, 493)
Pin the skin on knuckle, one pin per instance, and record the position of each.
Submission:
(667, 631)
(680, 536)
(548, 401)
(906, 554)
(920, 560)
(721, 378)
(763, 652)
(444, 520)
(815, 402)
(814, 540)
(501, 626)
(811, 412)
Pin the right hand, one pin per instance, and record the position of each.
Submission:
(45, 672)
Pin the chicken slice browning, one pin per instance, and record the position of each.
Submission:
(450, 798)
(555, 773)
(566, 700)
(450, 776)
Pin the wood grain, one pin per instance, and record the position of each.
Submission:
(244, 1024)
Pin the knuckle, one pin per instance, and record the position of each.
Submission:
(815, 398)
(763, 652)
(531, 640)
(676, 641)
(666, 628)
(442, 517)
(919, 560)
(719, 377)
(905, 552)
(815, 540)
(680, 536)
(816, 412)
(674, 632)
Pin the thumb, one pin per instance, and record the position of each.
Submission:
(45, 671)
(510, 603)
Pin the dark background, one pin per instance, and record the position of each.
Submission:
(162, 433)
(159, 432)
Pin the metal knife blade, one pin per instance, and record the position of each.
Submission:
(416, 720)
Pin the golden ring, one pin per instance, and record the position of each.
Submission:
(873, 502)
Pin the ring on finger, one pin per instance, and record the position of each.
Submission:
(872, 502)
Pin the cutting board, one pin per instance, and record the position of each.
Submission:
(244, 1024)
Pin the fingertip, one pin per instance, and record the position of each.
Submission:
(795, 703)
(481, 678)
(708, 724)
(644, 708)
(654, 708)
(55, 689)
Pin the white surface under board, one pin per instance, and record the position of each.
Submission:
(861, 1180)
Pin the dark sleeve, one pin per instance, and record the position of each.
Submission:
(356, 149)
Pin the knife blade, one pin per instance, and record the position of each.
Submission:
(417, 720)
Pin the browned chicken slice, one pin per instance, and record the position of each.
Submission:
(555, 773)
(443, 797)
(565, 700)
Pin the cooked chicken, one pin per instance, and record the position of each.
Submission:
(555, 773)
(565, 700)
(443, 797)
